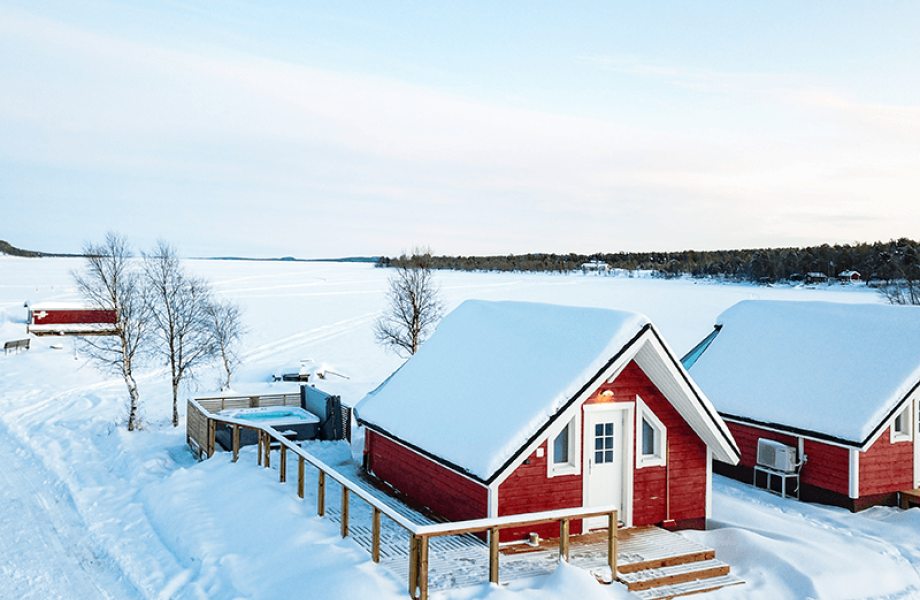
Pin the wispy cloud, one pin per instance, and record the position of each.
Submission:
(757, 83)
(372, 164)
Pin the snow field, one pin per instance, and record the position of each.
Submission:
(144, 520)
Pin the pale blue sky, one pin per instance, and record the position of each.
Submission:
(347, 128)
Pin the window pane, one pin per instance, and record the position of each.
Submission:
(599, 457)
(599, 443)
(648, 439)
(608, 443)
(598, 429)
(608, 428)
(608, 456)
(561, 447)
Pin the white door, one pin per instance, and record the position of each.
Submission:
(605, 458)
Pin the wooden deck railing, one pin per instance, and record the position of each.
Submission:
(419, 534)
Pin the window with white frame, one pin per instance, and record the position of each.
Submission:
(563, 450)
(652, 437)
(901, 426)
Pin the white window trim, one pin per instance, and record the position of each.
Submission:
(659, 459)
(907, 423)
(573, 466)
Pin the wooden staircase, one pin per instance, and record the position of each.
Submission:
(656, 564)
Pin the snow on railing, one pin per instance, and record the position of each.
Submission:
(419, 534)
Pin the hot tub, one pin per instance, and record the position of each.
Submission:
(293, 422)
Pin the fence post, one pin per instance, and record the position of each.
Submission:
(282, 468)
(423, 568)
(344, 511)
(413, 566)
(321, 494)
(375, 536)
(493, 554)
(268, 451)
(300, 476)
(564, 539)
(259, 436)
(236, 442)
(612, 549)
(212, 427)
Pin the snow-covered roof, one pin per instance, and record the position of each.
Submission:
(53, 305)
(838, 371)
(494, 374)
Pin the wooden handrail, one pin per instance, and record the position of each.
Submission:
(419, 534)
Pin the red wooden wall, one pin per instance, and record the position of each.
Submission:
(444, 491)
(828, 466)
(686, 462)
(886, 467)
(71, 316)
(528, 489)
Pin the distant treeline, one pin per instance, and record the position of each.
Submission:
(883, 261)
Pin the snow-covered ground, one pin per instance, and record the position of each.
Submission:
(91, 511)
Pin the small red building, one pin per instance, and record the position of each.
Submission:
(836, 382)
(76, 319)
(516, 407)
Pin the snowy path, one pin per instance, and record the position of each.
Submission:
(46, 551)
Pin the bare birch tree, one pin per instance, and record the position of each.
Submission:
(414, 305)
(177, 304)
(226, 330)
(110, 281)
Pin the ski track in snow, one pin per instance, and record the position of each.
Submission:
(300, 340)
(45, 552)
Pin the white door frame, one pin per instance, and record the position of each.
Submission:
(627, 410)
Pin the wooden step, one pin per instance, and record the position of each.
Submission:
(643, 548)
(668, 561)
(674, 574)
(691, 587)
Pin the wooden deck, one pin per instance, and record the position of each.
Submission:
(655, 564)
(648, 557)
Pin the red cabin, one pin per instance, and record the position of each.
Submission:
(74, 319)
(515, 407)
(836, 383)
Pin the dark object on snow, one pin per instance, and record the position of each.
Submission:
(16, 345)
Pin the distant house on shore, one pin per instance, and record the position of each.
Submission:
(836, 383)
(815, 277)
(595, 266)
(515, 407)
(849, 277)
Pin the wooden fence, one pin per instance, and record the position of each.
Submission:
(200, 422)
(419, 534)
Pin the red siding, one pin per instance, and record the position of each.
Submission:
(72, 316)
(444, 491)
(685, 473)
(529, 489)
(886, 467)
(828, 466)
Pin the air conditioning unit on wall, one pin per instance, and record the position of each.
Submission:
(774, 455)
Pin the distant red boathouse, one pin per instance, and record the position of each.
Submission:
(69, 319)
